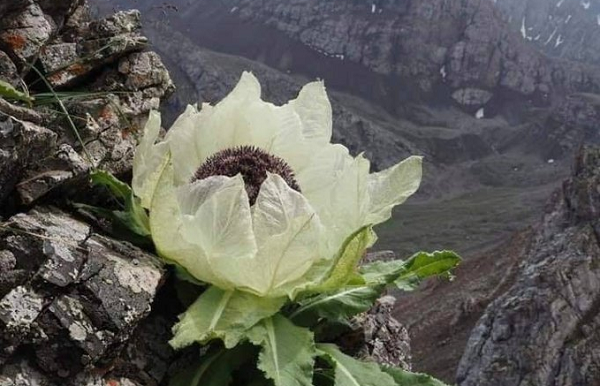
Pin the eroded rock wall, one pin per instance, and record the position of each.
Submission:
(545, 330)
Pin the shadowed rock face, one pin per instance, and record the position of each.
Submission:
(566, 29)
(391, 51)
(546, 328)
(449, 80)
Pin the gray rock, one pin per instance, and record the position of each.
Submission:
(546, 328)
(380, 337)
(20, 112)
(21, 143)
(65, 166)
(81, 301)
(130, 84)
(98, 43)
(8, 70)
(24, 32)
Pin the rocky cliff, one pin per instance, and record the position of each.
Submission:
(566, 29)
(74, 303)
(545, 329)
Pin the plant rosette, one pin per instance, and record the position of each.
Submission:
(252, 201)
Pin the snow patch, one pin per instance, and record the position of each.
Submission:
(551, 36)
(480, 113)
(523, 29)
(560, 3)
(568, 19)
(373, 8)
(232, 10)
(559, 40)
(586, 4)
(443, 72)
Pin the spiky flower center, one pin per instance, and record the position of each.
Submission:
(252, 163)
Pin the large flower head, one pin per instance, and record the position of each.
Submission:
(252, 196)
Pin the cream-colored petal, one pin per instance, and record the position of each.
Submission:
(147, 160)
(221, 226)
(324, 167)
(166, 226)
(182, 139)
(342, 203)
(241, 118)
(314, 109)
(297, 143)
(392, 187)
(288, 233)
(192, 195)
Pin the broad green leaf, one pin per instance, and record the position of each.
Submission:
(214, 368)
(346, 262)
(225, 315)
(288, 351)
(408, 275)
(382, 272)
(406, 378)
(339, 305)
(9, 92)
(423, 265)
(352, 372)
(103, 178)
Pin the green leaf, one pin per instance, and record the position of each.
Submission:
(225, 315)
(183, 274)
(339, 305)
(346, 262)
(122, 221)
(423, 265)
(406, 378)
(352, 372)
(137, 217)
(288, 351)
(9, 92)
(382, 272)
(134, 217)
(408, 275)
(103, 178)
(214, 368)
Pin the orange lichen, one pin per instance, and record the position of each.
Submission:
(106, 113)
(78, 69)
(15, 41)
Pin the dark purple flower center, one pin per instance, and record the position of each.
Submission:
(249, 161)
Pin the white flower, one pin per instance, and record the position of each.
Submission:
(287, 238)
